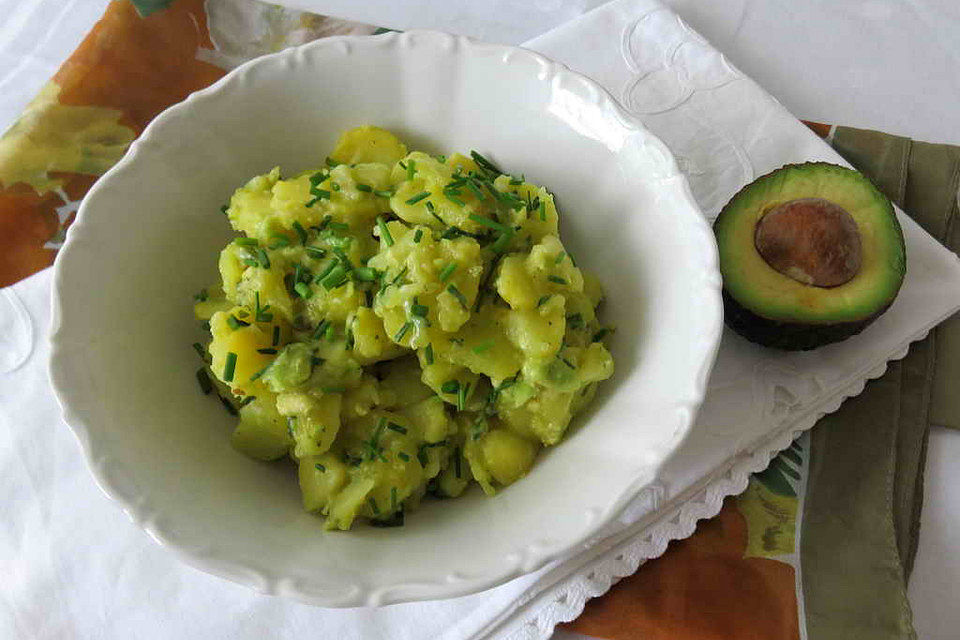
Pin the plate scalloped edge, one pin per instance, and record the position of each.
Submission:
(565, 600)
(530, 557)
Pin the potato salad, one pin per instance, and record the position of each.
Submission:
(399, 324)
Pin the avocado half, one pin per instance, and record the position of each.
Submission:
(810, 254)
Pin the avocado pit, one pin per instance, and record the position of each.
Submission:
(811, 240)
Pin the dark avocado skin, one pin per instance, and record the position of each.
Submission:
(794, 336)
(789, 336)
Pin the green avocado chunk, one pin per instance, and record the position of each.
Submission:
(810, 254)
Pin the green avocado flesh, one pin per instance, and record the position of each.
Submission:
(767, 306)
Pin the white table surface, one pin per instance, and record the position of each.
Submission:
(892, 65)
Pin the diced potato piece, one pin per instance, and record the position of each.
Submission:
(430, 418)
(506, 455)
(345, 505)
(368, 144)
(453, 480)
(371, 342)
(316, 421)
(243, 342)
(321, 478)
(249, 209)
(262, 432)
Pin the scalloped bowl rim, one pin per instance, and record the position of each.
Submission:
(245, 574)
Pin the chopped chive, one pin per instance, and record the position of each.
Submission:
(403, 456)
(501, 244)
(315, 361)
(268, 351)
(560, 257)
(543, 211)
(476, 190)
(229, 366)
(236, 323)
(200, 350)
(456, 461)
(201, 296)
(433, 212)
(328, 333)
(454, 199)
(487, 222)
(318, 195)
(344, 260)
(263, 258)
(422, 457)
(223, 209)
(393, 426)
(447, 271)
(514, 180)
(384, 231)
(250, 262)
(335, 186)
(402, 331)
(566, 362)
(321, 328)
(420, 310)
(332, 163)
(260, 373)
(601, 334)
(336, 278)
(556, 279)
(542, 300)
(450, 386)
(327, 270)
(246, 242)
(418, 234)
(428, 354)
(339, 226)
(575, 320)
(232, 410)
(383, 193)
(373, 505)
(333, 389)
(364, 187)
(365, 274)
(261, 315)
(462, 397)
(485, 164)
(327, 219)
(452, 289)
(301, 232)
(417, 198)
(393, 498)
(279, 240)
(395, 280)
(247, 401)
(411, 169)
(303, 290)
(319, 467)
(483, 346)
(203, 379)
(276, 335)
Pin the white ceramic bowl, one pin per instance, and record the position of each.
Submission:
(148, 235)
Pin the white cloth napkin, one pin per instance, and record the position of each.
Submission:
(76, 567)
